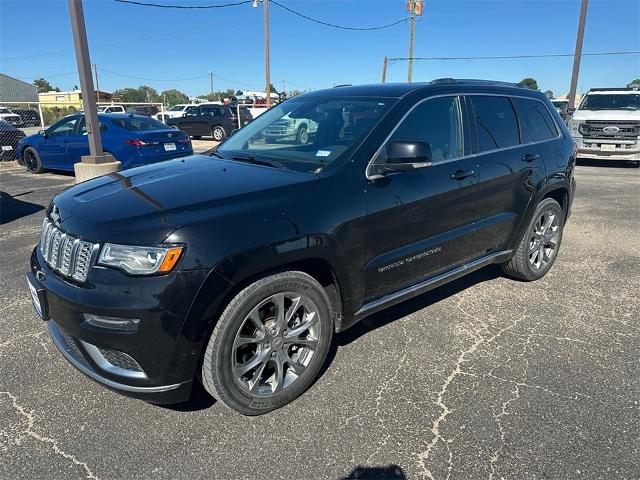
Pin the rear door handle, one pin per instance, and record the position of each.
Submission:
(530, 157)
(461, 174)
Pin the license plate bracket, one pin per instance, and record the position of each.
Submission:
(608, 147)
(169, 147)
(38, 297)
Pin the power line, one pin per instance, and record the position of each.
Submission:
(507, 57)
(284, 7)
(184, 7)
(153, 79)
(327, 24)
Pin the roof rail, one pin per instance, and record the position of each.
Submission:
(611, 89)
(342, 85)
(445, 81)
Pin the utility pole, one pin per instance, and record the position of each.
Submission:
(95, 74)
(385, 63)
(97, 163)
(411, 32)
(211, 84)
(267, 61)
(577, 55)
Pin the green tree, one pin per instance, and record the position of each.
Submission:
(173, 97)
(142, 94)
(634, 83)
(44, 86)
(529, 83)
(549, 93)
(273, 88)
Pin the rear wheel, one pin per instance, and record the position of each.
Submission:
(218, 133)
(269, 344)
(539, 247)
(302, 136)
(32, 160)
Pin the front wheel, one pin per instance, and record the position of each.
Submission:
(269, 344)
(302, 136)
(218, 133)
(32, 160)
(539, 247)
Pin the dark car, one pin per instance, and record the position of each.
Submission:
(217, 121)
(236, 269)
(10, 136)
(133, 140)
(146, 110)
(30, 118)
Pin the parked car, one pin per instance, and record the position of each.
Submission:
(236, 269)
(6, 115)
(29, 117)
(10, 136)
(299, 129)
(111, 109)
(606, 125)
(146, 110)
(174, 112)
(217, 121)
(132, 139)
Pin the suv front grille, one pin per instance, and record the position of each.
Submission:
(626, 129)
(64, 253)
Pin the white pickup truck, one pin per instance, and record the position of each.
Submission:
(606, 124)
(174, 112)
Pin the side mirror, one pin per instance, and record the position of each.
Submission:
(403, 156)
(43, 133)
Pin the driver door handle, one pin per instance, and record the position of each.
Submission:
(462, 174)
(530, 157)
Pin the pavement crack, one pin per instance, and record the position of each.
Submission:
(30, 432)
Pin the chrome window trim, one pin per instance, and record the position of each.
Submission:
(472, 155)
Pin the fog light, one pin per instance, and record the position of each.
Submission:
(112, 323)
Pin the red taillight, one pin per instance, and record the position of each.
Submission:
(136, 142)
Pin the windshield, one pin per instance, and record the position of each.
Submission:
(139, 124)
(176, 108)
(307, 134)
(614, 101)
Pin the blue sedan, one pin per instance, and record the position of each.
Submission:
(133, 140)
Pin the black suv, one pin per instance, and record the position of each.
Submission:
(236, 269)
(217, 121)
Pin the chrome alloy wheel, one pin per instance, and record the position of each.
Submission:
(543, 244)
(275, 343)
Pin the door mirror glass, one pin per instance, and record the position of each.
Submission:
(42, 133)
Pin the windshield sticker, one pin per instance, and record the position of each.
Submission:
(323, 153)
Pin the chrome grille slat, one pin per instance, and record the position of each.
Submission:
(65, 253)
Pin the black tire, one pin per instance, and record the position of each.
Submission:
(218, 133)
(32, 160)
(533, 245)
(217, 374)
(302, 135)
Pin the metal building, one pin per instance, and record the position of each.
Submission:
(14, 90)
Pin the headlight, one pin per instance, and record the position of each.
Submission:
(573, 126)
(139, 260)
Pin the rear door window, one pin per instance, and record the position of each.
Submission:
(535, 121)
(437, 121)
(496, 122)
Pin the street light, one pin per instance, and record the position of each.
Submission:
(267, 76)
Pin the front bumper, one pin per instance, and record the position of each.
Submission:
(157, 362)
(592, 148)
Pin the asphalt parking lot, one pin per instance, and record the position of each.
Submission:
(483, 378)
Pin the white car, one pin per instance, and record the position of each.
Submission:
(111, 109)
(606, 125)
(174, 112)
(8, 116)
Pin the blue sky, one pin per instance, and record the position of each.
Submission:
(163, 44)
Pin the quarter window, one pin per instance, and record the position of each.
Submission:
(437, 121)
(495, 122)
(535, 121)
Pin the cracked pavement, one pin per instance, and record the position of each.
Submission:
(484, 378)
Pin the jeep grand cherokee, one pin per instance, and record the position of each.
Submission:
(237, 268)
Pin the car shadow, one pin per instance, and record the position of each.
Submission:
(390, 472)
(12, 208)
(201, 400)
(592, 162)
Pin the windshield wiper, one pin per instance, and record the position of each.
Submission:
(216, 154)
(255, 161)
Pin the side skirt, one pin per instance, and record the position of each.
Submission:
(429, 284)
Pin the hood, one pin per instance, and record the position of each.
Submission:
(606, 115)
(145, 204)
